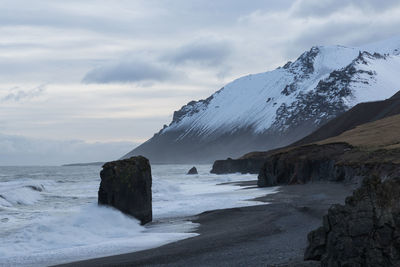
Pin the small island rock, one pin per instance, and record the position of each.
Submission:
(126, 185)
(193, 170)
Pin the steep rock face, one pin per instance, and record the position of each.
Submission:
(363, 232)
(126, 185)
(339, 162)
(237, 166)
(276, 108)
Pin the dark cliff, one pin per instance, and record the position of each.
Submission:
(363, 232)
(352, 155)
(338, 162)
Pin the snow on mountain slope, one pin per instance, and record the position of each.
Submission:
(384, 78)
(252, 101)
(271, 109)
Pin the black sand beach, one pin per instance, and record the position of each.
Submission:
(274, 234)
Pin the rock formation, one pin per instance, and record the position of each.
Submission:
(240, 165)
(193, 170)
(126, 185)
(363, 232)
(336, 162)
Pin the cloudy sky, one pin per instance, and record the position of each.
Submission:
(89, 80)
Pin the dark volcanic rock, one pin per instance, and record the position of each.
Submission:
(126, 185)
(193, 170)
(237, 165)
(363, 232)
(335, 162)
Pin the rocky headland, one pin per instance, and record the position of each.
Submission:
(369, 148)
(126, 185)
(363, 232)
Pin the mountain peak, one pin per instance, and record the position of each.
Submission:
(275, 108)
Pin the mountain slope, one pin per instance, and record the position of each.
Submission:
(358, 115)
(275, 108)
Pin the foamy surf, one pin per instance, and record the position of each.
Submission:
(51, 219)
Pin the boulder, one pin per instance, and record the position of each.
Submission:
(363, 232)
(193, 170)
(126, 185)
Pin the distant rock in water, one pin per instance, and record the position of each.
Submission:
(363, 232)
(193, 170)
(126, 185)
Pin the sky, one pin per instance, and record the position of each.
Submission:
(85, 80)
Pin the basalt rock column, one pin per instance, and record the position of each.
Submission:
(126, 185)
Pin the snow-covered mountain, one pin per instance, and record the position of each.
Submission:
(275, 108)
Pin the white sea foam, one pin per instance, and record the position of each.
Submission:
(91, 231)
(21, 192)
(49, 222)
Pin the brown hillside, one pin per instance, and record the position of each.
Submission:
(381, 134)
(360, 114)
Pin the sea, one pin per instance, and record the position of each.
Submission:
(49, 214)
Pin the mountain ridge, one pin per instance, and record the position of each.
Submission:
(272, 109)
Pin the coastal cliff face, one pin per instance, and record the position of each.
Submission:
(237, 166)
(126, 185)
(368, 148)
(363, 232)
(337, 162)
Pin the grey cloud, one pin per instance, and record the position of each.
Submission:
(202, 52)
(178, 14)
(342, 33)
(20, 150)
(321, 8)
(16, 94)
(128, 71)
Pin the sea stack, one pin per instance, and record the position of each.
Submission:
(193, 170)
(126, 185)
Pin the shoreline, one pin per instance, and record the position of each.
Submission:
(273, 234)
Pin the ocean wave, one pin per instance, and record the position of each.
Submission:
(21, 192)
(91, 231)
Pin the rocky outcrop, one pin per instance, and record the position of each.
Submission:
(237, 166)
(126, 185)
(363, 232)
(193, 170)
(338, 162)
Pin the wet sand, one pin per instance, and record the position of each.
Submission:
(274, 234)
